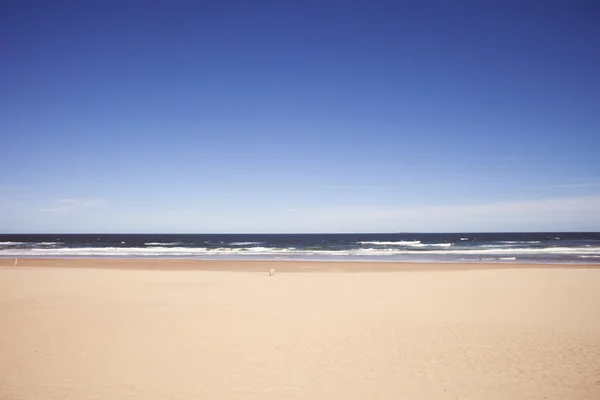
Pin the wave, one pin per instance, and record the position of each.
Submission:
(397, 243)
(519, 241)
(30, 243)
(502, 246)
(433, 245)
(141, 251)
(499, 252)
(243, 243)
(410, 243)
(178, 251)
(162, 244)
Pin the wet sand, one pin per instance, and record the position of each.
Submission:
(264, 266)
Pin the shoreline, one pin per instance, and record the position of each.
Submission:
(280, 265)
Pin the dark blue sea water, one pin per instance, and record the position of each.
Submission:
(553, 247)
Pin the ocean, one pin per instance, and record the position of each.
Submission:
(552, 247)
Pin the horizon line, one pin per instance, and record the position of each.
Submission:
(295, 233)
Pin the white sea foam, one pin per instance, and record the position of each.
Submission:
(175, 251)
(433, 245)
(503, 246)
(141, 251)
(29, 243)
(162, 244)
(546, 250)
(499, 251)
(396, 243)
(409, 243)
(518, 241)
(464, 238)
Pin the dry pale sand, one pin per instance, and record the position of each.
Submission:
(137, 333)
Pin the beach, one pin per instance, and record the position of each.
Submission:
(188, 329)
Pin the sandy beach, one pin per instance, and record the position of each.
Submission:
(158, 329)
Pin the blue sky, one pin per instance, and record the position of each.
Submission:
(299, 116)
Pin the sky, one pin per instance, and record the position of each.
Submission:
(299, 116)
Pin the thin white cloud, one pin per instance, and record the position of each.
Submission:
(575, 213)
(569, 213)
(69, 205)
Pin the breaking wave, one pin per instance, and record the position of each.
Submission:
(199, 251)
(396, 243)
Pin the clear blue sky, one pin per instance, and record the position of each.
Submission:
(299, 116)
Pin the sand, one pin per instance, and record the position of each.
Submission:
(225, 330)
